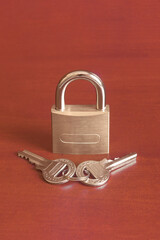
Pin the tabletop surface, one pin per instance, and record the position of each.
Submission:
(40, 42)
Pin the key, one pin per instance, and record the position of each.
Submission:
(100, 170)
(50, 168)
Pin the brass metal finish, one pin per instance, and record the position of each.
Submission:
(80, 129)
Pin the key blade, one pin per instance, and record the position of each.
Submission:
(120, 162)
(33, 158)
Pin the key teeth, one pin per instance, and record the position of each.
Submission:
(22, 156)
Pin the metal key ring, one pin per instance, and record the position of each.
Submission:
(77, 178)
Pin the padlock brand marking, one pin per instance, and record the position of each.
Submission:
(80, 138)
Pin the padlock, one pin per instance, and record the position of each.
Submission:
(80, 129)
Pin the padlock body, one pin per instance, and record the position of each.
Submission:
(80, 129)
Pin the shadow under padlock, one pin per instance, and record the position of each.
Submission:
(80, 129)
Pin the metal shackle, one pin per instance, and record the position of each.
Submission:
(91, 77)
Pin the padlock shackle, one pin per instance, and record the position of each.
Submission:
(91, 77)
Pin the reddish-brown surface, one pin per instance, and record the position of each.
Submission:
(40, 41)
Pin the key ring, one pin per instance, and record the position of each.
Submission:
(77, 178)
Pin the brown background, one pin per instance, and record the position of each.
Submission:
(40, 41)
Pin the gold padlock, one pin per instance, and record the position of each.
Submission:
(80, 129)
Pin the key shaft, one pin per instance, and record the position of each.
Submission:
(121, 162)
(34, 158)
